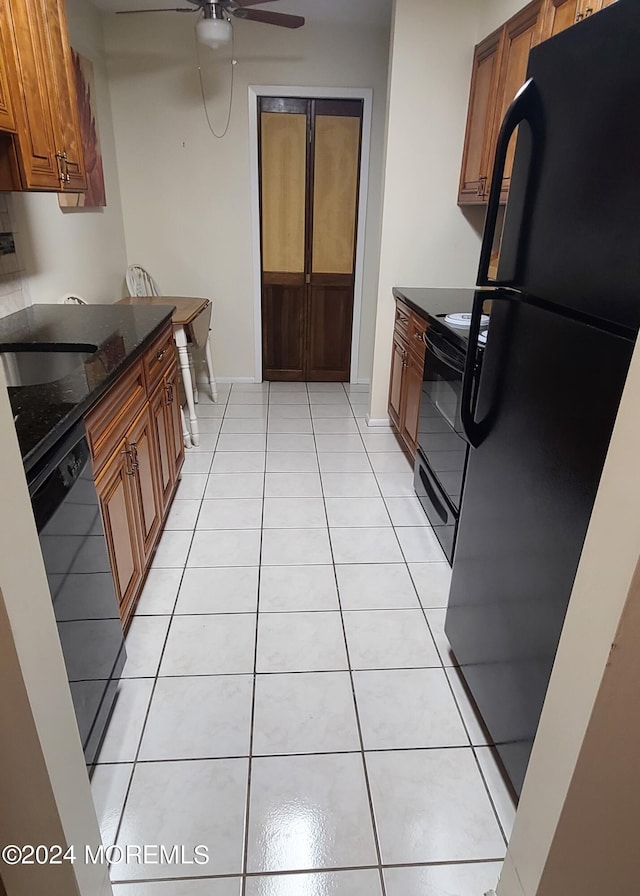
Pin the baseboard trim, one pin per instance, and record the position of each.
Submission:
(377, 421)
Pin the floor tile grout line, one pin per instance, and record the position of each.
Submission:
(490, 795)
(374, 826)
(351, 752)
(332, 869)
(247, 813)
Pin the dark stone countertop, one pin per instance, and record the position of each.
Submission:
(45, 412)
(435, 303)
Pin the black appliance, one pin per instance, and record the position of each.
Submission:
(564, 319)
(72, 540)
(442, 444)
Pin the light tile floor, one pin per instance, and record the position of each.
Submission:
(290, 701)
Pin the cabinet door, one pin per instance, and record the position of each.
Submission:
(163, 442)
(478, 142)
(397, 372)
(412, 389)
(65, 106)
(140, 443)
(520, 35)
(175, 439)
(7, 73)
(39, 166)
(117, 503)
(561, 14)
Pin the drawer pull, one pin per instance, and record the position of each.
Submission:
(161, 354)
(169, 390)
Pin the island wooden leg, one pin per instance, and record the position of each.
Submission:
(212, 380)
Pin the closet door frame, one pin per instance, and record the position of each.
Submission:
(364, 94)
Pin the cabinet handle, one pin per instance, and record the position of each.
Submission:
(402, 319)
(131, 470)
(134, 455)
(161, 354)
(588, 10)
(579, 17)
(169, 388)
(61, 174)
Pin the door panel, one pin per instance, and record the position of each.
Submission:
(335, 193)
(283, 331)
(283, 143)
(395, 385)
(309, 174)
(163, 442)
(119, 518)
(476, 161)
(140, 441)
(559, 15)
(329, 338)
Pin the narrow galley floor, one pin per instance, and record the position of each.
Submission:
(290, 704)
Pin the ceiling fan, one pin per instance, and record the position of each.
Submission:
(214, 28)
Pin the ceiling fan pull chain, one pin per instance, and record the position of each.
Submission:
(204, 100)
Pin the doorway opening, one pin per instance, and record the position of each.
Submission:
(310, 158)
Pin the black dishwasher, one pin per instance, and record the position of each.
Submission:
(67, 513)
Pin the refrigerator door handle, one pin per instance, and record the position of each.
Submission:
(476, 431)
(526, 107)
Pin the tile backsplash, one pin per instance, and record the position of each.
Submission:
(13, 295)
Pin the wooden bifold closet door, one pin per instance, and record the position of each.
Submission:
(309, 183)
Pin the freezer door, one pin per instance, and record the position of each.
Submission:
(550, 387)
(578, 243)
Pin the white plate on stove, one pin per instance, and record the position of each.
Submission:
(463, 320)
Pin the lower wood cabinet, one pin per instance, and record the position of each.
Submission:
(405, 386)
(118, 504)
(137, 477)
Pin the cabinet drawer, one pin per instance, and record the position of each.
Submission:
(402, 318)
(108, 422)
(158, 359)
(416, 330)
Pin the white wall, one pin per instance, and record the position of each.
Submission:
(82, 250)
(426, 239)
(186, 196)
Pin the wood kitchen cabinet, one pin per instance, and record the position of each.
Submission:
(499, 69)
(407, 366)
(45, 152)
(477, 156)
(135, 437)
(118, 505)
(561, 14)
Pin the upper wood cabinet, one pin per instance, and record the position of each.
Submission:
(561, 14)
(499, 69)
(42, 87)
(7, 115)
(478, 156)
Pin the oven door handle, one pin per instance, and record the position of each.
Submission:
(442, 356)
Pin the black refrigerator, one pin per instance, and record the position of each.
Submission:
(564, 319)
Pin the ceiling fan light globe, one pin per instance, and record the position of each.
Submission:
(214, 33)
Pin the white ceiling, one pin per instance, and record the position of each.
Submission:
(376, 12)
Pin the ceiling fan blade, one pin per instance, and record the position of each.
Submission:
(131, 12)
(270, 18)
(250, 2)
